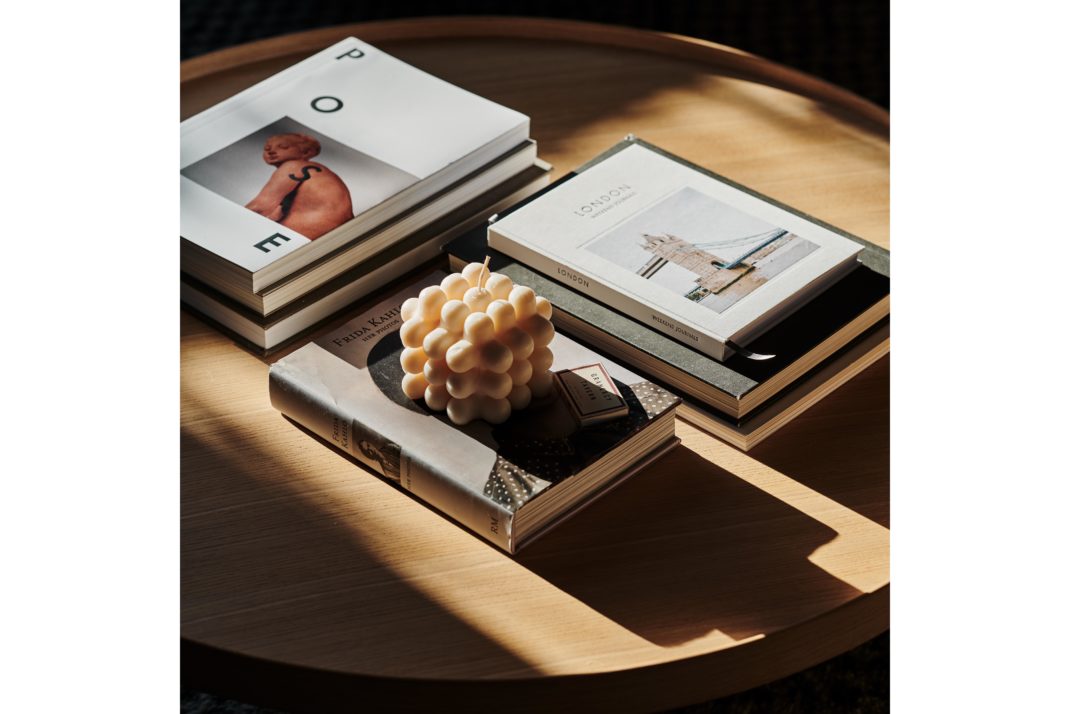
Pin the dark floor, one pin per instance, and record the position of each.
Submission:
(844, 42)
(853, 683)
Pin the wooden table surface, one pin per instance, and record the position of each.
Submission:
(309, 584)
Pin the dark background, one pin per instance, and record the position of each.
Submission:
(843, 42)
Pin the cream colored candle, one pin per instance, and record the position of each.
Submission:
(476, 346)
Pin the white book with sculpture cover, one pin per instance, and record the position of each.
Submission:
(290, 169)
(690, 253)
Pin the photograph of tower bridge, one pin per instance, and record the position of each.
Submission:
(701, 248)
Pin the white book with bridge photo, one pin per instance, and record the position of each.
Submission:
(688, 252)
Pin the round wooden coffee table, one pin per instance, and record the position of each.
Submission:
(309, 584)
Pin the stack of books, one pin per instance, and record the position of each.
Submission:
(749, 309)
(321, 184)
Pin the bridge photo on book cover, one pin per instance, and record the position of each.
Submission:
(705, 250)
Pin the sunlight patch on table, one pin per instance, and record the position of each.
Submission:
(857, 555)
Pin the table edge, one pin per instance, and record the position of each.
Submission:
(694, 679)
(731, 61)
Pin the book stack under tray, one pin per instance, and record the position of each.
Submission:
(323, 183)
(809, 338)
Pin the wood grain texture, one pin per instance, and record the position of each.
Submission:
(307, 581)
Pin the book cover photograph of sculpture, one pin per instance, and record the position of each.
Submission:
(298, 177)
(705, 250)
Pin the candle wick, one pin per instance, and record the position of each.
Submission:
(483, 272)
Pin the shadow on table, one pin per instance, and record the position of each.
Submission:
(675, 555)
(831, 427)
(670, 556)
(277, 573)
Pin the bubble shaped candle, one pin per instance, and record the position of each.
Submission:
(476, 345)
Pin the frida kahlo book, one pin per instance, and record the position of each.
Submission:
(508, 483)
